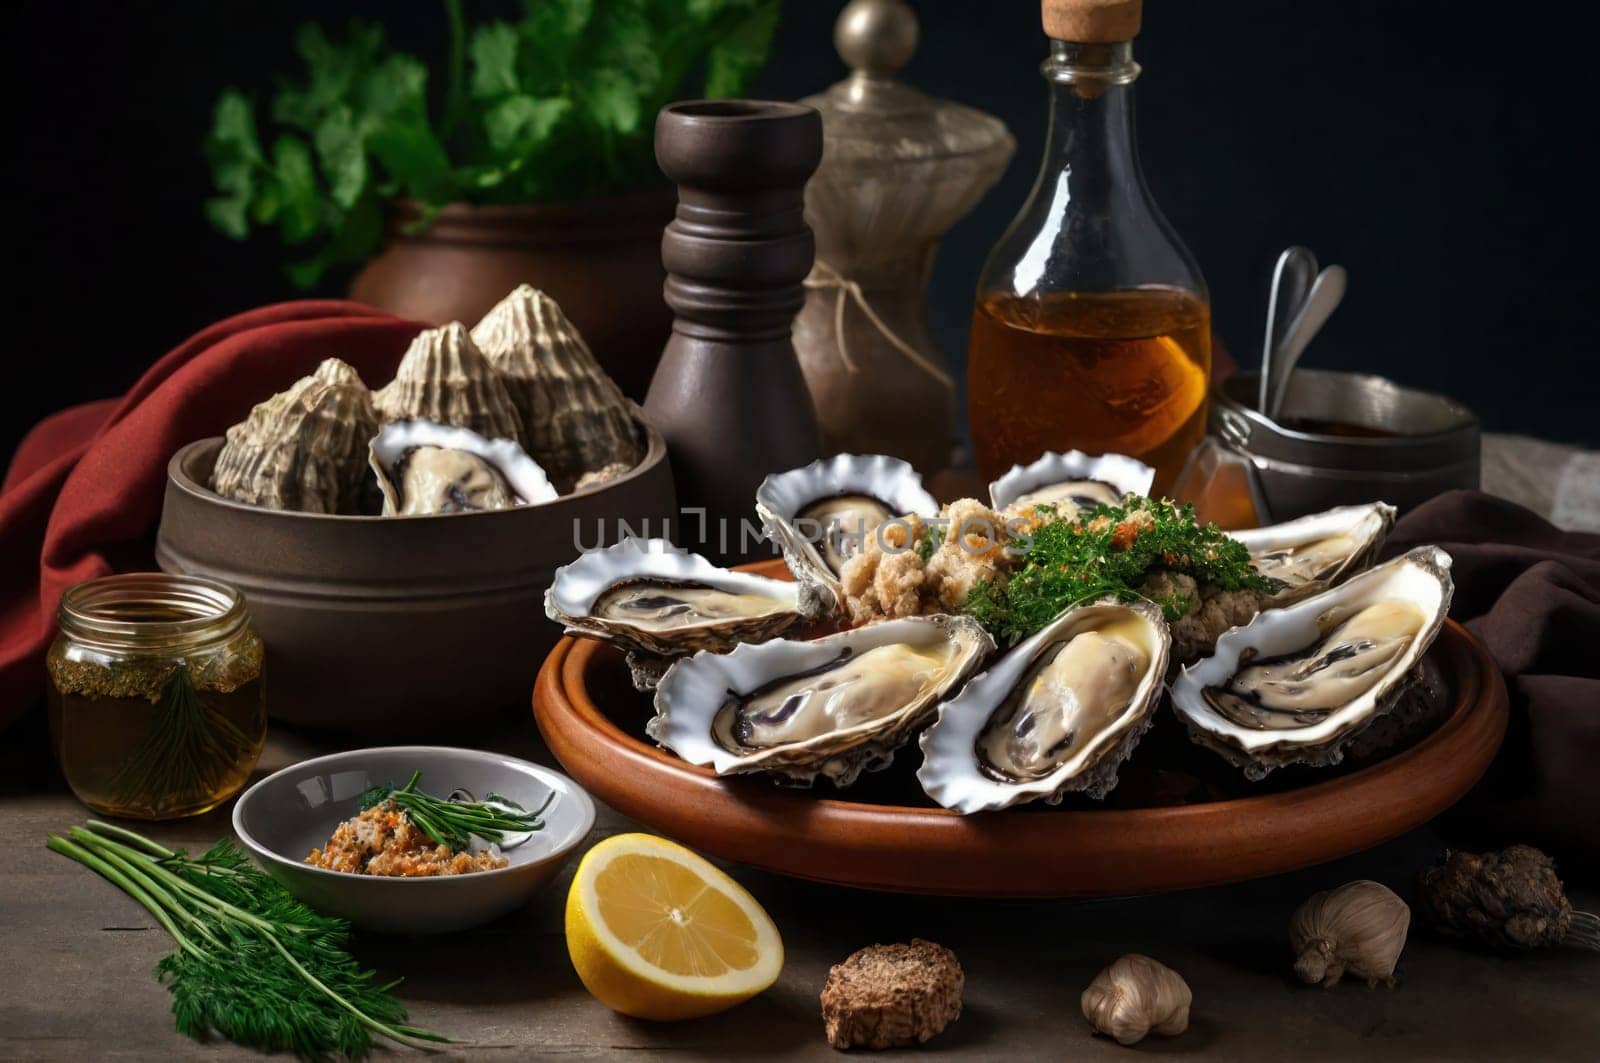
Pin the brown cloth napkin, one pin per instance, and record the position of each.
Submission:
(1531, 592)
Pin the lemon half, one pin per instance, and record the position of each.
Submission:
(655, 931)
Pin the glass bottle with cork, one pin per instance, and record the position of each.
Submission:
(1092, 327)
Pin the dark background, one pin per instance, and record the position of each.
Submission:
(1448, 170)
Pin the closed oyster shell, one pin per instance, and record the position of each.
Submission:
(302, 449)
(445, 379)
(575, 418)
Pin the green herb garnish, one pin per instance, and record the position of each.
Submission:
(928, 541)
(253, 964)
(452, 823)
(1110, 551)
(556, 105)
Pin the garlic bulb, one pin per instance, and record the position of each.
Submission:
(1359, 927)
(1134, 996)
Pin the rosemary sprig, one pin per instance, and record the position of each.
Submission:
(185, 755)
(452, 823)
(253, 964)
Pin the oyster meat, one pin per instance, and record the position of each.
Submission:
(821, 515)
(1059, 713)
(425, 468)
(835, 706)
(575, 419)
(659, 603)
(303, 448)
(1296, 684)
(1072, 482)
(1318, 551)
(445, 379)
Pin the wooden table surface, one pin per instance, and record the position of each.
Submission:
(77, 955)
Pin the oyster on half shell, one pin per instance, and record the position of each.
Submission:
(660, 603)
(425, 468)
(835, 706)
(1318, 551)
(820, 515)
(1072, 482)
(1059, 713)
(1298, 683)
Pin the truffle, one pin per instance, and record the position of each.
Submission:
(1510, 899)
(888, 996)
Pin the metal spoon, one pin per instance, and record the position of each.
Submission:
(1326, 293)
(1291, 282)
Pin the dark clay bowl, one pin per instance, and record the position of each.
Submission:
(407, 622)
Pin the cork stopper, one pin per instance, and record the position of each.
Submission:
(1092, 21)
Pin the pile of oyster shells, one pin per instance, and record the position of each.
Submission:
(1327, 659)
(514, 412)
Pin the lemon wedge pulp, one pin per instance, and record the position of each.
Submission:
(655, 931)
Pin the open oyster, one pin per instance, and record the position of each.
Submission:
(820, 515)
(1059, 713)
(1071, 482)
(835, 707)
(659, 603)
(427, 468)
(1318, 551)
(303, 448)
(575, 419)
(445, 379)
(1297, 683)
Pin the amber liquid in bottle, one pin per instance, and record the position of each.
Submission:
(1118, 371)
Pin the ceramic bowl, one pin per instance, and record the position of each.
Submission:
(400, 622)
(284, 816)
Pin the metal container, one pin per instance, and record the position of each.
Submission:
(1430, 445)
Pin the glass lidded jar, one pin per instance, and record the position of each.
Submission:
(157, 706)
(1092, 325)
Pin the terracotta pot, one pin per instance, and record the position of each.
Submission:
(600, 259)
(408, 623)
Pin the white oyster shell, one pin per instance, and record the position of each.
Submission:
(815, 544)
(1071, 481)
(1318, 551)
(471, 472)
(1420, 578)
(755, 608)
(952, 772)
(696, 689)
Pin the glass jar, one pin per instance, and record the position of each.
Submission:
(157, 707)
(1092, 328)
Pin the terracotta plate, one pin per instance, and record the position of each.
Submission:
(1180, 818)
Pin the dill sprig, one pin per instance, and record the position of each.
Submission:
(452, 823)
(1109, 551)
(253, 964)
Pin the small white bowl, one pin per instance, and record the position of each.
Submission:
(284, 816)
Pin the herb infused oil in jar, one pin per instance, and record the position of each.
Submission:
(1092, 328)
(156, 694)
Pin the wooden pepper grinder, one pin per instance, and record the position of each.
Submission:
(728, 395)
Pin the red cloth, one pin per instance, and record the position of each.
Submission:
(83, 495)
